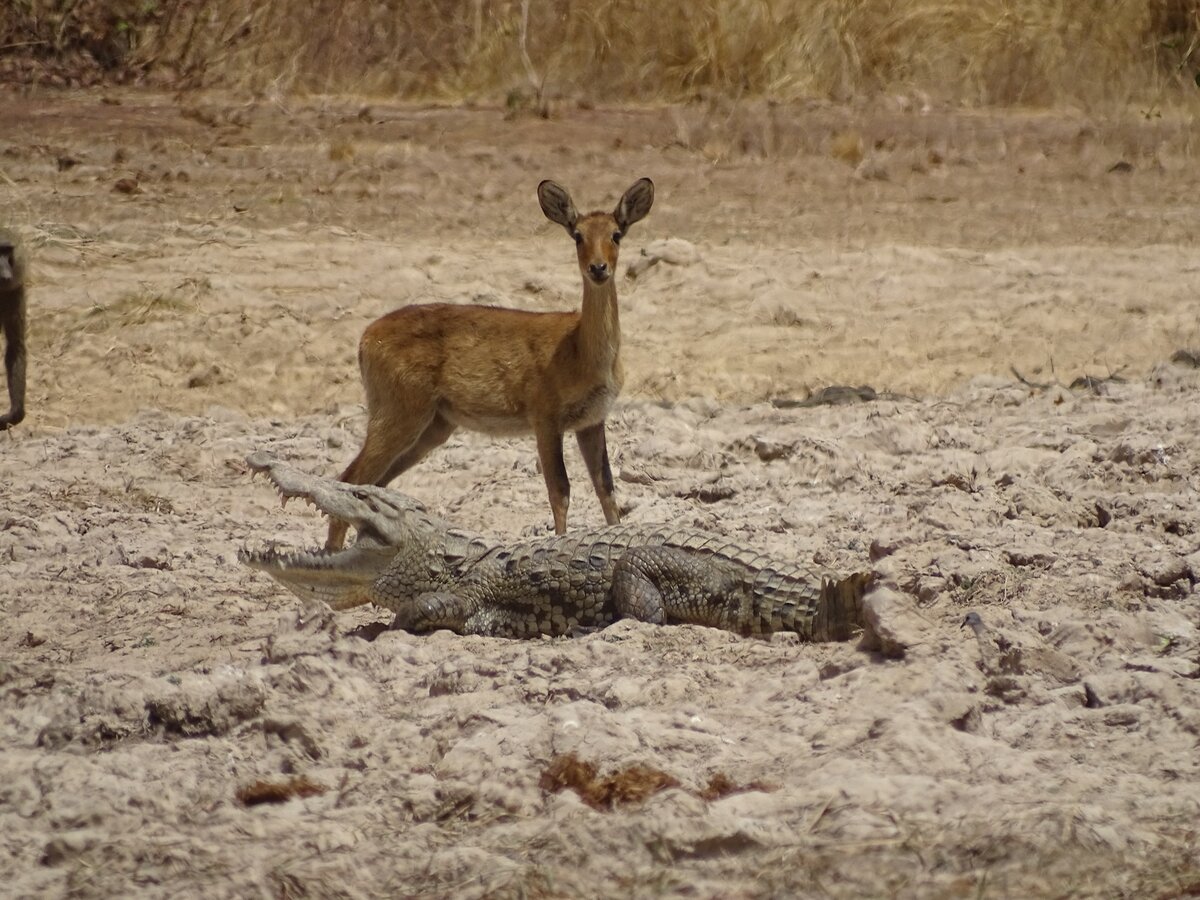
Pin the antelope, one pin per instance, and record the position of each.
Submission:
(428, 369)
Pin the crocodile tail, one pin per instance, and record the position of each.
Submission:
(841, 613)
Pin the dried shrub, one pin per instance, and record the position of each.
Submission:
(632, 784)
(721, 785)
(278, 791)
(979, 52)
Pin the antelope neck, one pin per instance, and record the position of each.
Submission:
(600, 323)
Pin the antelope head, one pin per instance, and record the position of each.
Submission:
(597, 235)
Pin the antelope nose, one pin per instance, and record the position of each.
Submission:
(598, 271)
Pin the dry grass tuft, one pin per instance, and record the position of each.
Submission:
(279, 791)
(341, 151)
(847, 146)
(135, 309)
(721, 785)
(632, 784)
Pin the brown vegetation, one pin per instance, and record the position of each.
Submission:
(971, 51)
(262, 791)
(631, 784)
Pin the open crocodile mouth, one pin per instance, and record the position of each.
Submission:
(374, 512)
(272, 559)
(339, 577)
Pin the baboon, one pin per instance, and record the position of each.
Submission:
(12, 322)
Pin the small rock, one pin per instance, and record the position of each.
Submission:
(674, 251)
(927, 588)
(1187, 358)
(767, 450)
(1166, 569)
(1117, 688)
(624, 693)
(883, 546)
(1030, 557)
(960, 711)
(872, 168)
(893, 625)
(68, 845)
(848, 146)
(308, 630)
(206, 376)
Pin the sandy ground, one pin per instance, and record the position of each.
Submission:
(148, 682)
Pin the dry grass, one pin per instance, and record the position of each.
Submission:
(263, 791)
(629, 785)
(978, 52)
(130, 310)
(982, 52)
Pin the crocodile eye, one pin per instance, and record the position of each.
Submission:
(578, 237)
(617, 237)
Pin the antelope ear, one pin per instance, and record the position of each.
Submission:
(557, 205)
(635, 204)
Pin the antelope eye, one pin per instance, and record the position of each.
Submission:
(617, 237)
(578, 237)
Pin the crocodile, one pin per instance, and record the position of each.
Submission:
(432, 574)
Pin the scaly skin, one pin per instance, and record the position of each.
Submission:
(433, 575)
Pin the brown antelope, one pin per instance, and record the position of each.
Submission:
(431, 368)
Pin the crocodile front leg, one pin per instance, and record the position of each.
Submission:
(433, 610)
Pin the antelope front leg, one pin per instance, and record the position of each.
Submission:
(594, 448)
(554, 470)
